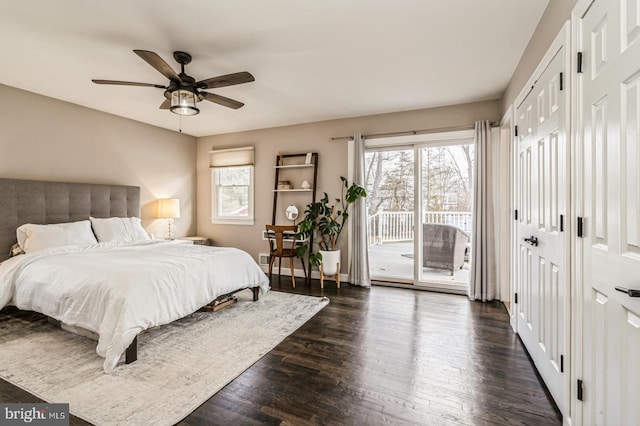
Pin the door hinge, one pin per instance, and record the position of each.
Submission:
(515, 215)
(516, 129)
(561, 81)
(580, 227)
(579, 64)
(580, 390)
(561, 223)
(515, 298)
(562, 363)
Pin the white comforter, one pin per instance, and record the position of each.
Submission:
(118, 290)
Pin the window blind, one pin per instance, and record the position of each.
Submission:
(232, 157)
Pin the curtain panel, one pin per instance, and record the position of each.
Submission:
(482, 280)
(359, 264)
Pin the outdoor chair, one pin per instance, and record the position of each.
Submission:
(443, 246)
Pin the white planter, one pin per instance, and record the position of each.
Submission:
(330, 261)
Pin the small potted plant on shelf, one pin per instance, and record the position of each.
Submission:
(325, 223)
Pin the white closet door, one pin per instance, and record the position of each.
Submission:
(543, 304)
(609, 89)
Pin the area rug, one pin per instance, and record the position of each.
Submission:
(180, 365)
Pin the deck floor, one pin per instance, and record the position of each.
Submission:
(395, 260)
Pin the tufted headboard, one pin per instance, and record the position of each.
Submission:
(28, 201)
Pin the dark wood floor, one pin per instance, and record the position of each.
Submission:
(383, 356)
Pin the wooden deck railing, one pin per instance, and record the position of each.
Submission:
(387, 226)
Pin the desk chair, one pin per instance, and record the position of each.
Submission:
(277, 241)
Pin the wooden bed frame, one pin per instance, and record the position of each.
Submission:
(44, 202)
(131, 354)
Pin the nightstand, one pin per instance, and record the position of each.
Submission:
(178, 241)
(201, 241)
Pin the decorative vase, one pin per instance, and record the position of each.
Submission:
(305, 185)
(330, 261)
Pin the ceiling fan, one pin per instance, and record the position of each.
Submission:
(183, 91)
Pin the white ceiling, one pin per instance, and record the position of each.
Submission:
(312, 60)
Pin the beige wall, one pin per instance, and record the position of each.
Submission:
(554, 16)
(46, 139)
(332, 161)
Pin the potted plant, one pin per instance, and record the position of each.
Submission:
(326, 222)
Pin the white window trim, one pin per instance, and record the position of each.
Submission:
(232, 220)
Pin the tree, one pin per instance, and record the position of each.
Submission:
(389, 180)
(373, 177)
(447, 177)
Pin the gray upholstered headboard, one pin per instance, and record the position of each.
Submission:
(28, 201)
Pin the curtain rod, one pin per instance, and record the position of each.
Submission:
(412, 132)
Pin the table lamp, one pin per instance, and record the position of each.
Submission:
(169, 208)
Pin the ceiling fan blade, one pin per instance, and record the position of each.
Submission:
(221, 100)
(166, 104)
(226, 80)
(128, 83)
(158, 63)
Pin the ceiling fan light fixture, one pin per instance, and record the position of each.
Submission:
(183, 102)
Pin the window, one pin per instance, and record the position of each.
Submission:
(232, 186)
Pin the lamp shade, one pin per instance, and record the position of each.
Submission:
(169, 208)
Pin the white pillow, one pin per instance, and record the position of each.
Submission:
(33, 237)
(118, 229)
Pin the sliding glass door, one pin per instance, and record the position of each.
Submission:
(419, 206)
(390, 207)
(446, 195)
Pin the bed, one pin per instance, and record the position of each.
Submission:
(113, 289)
